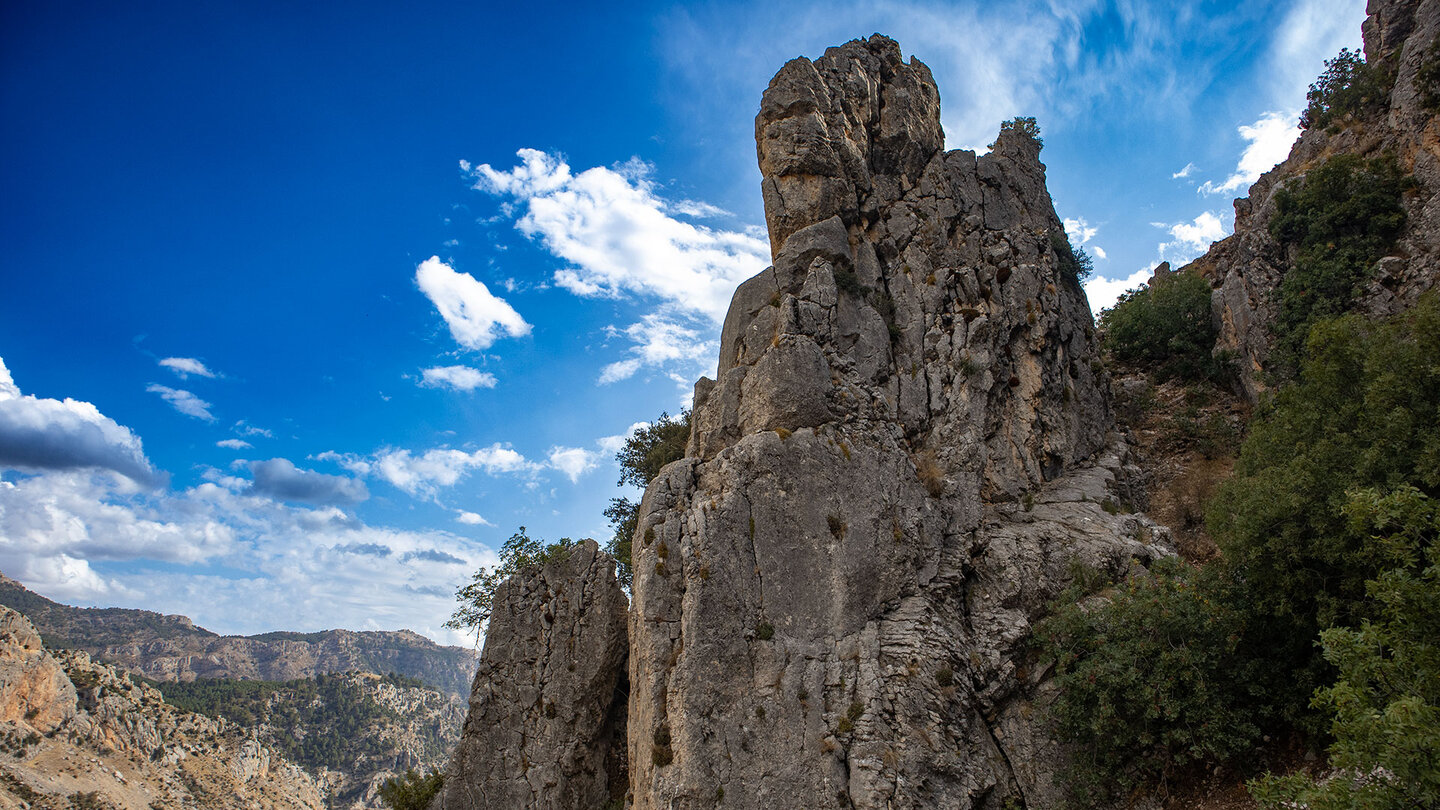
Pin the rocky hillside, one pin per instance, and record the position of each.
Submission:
(172, 648)
(78, 734)
(1394, 123)
(350, 731)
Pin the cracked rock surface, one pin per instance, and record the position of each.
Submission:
(904, 454)
(546, 725)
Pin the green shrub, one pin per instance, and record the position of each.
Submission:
(1337, 221)
(1071, 260)
(1365, 413)
(1023, 124)
(1386, 703)
(1165, 325)
(412, 791)
(1349, 86)
(641, 458)
(1151, 681)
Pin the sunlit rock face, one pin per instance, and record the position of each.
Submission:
(905, 450)
(546, 726)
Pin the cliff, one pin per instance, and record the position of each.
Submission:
(904, 457)
(172, 648)
(1248, 268)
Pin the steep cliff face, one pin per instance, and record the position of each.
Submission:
(903, 455)
(1247, 268)
(546, 726)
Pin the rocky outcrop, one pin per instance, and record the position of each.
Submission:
(1247, 267)
(84, 728)
(172, 648)
(546, 726)
(903, 457)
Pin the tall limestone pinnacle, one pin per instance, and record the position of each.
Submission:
(904, 452)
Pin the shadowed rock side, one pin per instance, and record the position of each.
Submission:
(1247, 267)
(903, 454)
(546, 727)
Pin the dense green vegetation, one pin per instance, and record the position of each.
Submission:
(1349, 86)
(645, 452)
(1072, 261)
(1337, 221)
(1165, 325)
(327, 721)
(412, 791)
(1326, 589)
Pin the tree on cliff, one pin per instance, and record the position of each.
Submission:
(517, 554)
(645, 452)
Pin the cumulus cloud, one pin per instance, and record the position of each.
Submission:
(280, 479)
(183, 401)
(1268, 143)
(1191, 239)
(573, 461)
(1102, 293)
(476, 317)
(1079, 229)
(186, 366)
(459, 378)
(234, 444)
(307, 568)
(49, 434)
(471, 518)
(619, 235)
(425, 474)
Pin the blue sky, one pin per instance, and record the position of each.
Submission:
(306, 308)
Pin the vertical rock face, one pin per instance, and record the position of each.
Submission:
(903, 454)
(1246, 268)
(546, 727)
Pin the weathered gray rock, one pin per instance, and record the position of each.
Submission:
(1247, 267)
(546, 727)
(904, 453)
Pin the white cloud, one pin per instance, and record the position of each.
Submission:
(425, 474)
(234, 444)
(619, 236)
(471, 518)
(48, 434)
(186, 366)
(183, 401)
(1185, 172)
(1079, 229)
(1099, 252)
(1191, 239)
(1269, 139)
(281, 479)
(573, 461)
(1312, 31)
(245, 429)
(459, 378)
(65, 535)
(659, 339)
(1104, 292)
(476, 317)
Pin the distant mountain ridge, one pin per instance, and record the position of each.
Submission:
(172, 648)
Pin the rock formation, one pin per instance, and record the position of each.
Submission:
(80, 732)
(546, 727)
(1246, 268)
(904, 455)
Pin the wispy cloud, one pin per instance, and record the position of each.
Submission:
(184, 367)
(458, 378)
(234, 444)
(183, 401)
(1185, 172)
(476, 317)
(50, 434)
(423, 475)
(1268, 142)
